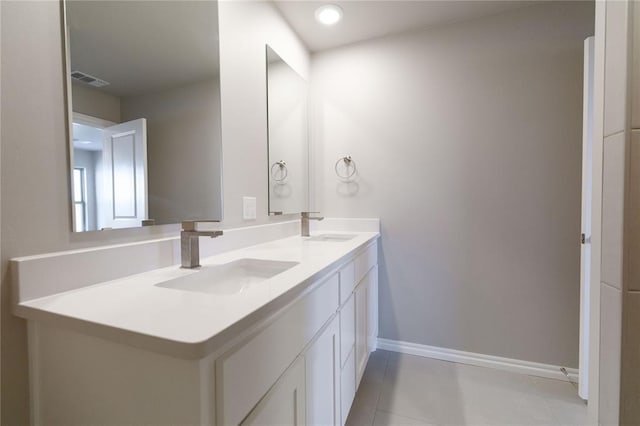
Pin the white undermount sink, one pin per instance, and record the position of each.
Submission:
(332, 237)
(229, 278)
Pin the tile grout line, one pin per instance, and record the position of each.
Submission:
(545, 399)
(376, 401)
(377, 409)
(384, 376)
(375, 414)
(402, 415)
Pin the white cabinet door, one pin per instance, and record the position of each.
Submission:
(323, 378)
(246, 373)
(372, 308)
(284, 404)
(362, 350)
(347, 387)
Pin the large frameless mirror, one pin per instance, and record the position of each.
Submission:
(288, 137)
(144, 112)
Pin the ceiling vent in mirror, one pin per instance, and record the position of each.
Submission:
(88, 79)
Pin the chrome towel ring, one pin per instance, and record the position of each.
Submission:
(282, 168)
(349, 166)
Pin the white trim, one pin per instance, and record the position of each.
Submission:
(587, 190)
(92, 121)
(593, 406)
(33, 350)
(507, 364)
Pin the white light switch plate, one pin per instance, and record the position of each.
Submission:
(249, 208)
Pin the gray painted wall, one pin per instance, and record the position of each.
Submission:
(35, 212)
(467, 140)
(245, 28)
(95, 103)
(183, 150)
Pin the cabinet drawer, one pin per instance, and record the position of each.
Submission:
(245, 374)
(347, 329)
(347, 281)
(365, 261)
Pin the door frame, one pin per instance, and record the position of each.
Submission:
(87, 120)
(596, 213)
(586, 223)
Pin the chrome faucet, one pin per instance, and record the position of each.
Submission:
(304, 222)
(190, 244)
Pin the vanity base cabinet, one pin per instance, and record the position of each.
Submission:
(246, 372)
(300, 365)
(77, 379)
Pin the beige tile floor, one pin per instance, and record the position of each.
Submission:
(399, 389)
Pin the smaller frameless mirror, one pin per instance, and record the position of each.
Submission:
(288, 165)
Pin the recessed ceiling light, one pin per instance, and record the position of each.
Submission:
(329, 14)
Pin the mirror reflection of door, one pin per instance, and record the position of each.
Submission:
(109, 173)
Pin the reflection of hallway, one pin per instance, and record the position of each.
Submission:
(402, 389)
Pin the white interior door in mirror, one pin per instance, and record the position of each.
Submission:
(288, 137)
(125, 174)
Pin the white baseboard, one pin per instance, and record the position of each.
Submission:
(514, 365)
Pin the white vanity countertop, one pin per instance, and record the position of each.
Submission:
(135, 311)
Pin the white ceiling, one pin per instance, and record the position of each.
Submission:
(87, 138)
(143, 46)
(366, 19)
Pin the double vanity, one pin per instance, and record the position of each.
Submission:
(271, 333)
(261, 326)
